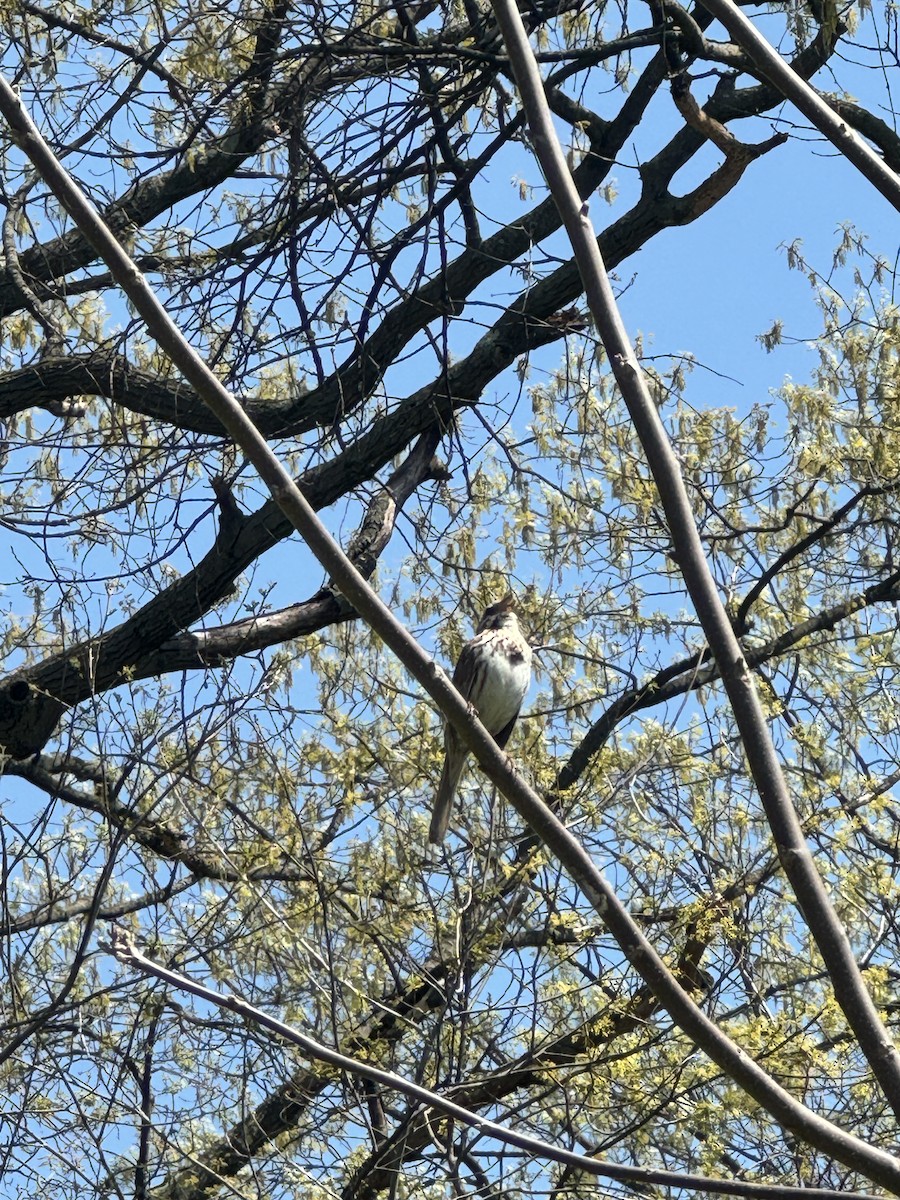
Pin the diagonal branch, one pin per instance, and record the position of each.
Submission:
(697, 671)
(152, 640)
(806, 99)
(128, 954)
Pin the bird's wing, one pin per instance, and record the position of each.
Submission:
(467, 668)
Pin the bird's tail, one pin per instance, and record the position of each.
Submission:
(454, 761)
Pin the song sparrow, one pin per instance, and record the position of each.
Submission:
(493, 673)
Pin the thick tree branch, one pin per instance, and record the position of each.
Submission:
(32, 700)
(327, 607)
(794, 88)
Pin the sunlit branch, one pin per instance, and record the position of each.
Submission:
(806, 99)
(130, 956)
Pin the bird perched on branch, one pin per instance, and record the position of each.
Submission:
(493, 673)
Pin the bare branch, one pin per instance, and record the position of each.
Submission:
(130, 956)
(806, 99)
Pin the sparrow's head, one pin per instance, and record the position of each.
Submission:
(499, 615)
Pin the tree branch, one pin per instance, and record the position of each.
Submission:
(806, 99)
(130, 956)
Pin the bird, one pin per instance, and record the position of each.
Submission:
(493, 674)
